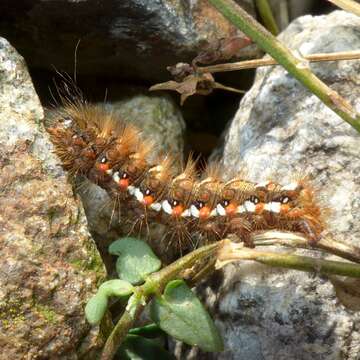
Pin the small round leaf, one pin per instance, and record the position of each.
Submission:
(116, 287)
(96, 308)
(135, 260)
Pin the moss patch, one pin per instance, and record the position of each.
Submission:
(92, 263)
(46, 312)
(11, 312)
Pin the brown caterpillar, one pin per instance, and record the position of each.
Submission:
(94, 143)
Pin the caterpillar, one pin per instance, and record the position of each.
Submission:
(95, 143)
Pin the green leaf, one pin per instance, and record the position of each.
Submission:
(149, 331)
(116, 287)
(136, 259)
(180, 313)
(96, 308)
(139, 348)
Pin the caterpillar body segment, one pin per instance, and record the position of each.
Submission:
(296, 209)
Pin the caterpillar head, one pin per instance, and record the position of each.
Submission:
(76, 152)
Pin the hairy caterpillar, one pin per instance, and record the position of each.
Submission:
(93, 142)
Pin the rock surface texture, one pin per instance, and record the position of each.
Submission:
(281, 129)
(49, 264)
(132, 39)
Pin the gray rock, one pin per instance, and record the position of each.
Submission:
(132, 39)
(282, 129)
(49, 264)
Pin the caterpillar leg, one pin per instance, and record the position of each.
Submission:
(310, 230)
(241, 227)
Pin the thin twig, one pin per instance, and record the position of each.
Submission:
(295, 65)
(267, 16)
(345, 251)
(268, 61)
(348, 5)
(235, 252)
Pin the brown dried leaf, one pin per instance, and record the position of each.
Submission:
(201, 84)
(180, 71)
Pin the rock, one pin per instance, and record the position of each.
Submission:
(282, 129)
(49, 264)
(130, 39)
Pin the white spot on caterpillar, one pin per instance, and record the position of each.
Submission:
(131, 189)
(285, 200)
(194, 211)
(220, 210)
(290, 187)
(67, 123)
(273, 207)
(241, 209)
(116, 177)
(167, 207)
(213, 213)
(186, 213)
(156, 206)
(263, 184)
(139, 195)
(249, 206)
(157, 168)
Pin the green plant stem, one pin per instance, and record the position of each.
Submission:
(348, 5)
(267, 16)
(106, 326)
(154, 284)
(345, 251)
(235, 252)
(120, 331)
(206, 271)
(295, 65)
(157, 281)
